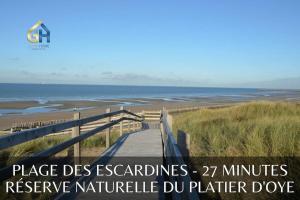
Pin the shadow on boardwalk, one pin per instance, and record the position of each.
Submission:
(138, 148)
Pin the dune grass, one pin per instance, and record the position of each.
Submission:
(11, 155)
(250, 129)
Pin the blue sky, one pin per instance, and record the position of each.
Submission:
(232, 43)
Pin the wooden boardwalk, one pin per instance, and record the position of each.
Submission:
(145, 143)
(142, 147)
(152, 144)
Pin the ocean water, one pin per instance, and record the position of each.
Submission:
(47, 92)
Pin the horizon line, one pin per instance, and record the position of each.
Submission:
(128, 85)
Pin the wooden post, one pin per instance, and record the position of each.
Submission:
(184, 142)
(121, 123)
(170, 121)
(143, 114)
(129, 125)
(135, 125)
(132, 125)
(75, 133)
(162, 132)
(107, 139)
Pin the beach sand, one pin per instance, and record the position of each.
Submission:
(18, 104)
(98, 107)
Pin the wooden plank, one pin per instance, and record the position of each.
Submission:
(145, 143)
(152, 112)
(152, 118)
(152, 115)
(142, 144)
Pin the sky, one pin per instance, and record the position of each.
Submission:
(206, 43)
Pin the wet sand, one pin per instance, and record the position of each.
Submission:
(135, 105)
(6, 122)
(18, 104)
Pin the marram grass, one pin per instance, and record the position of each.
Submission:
(11, 155)
(249, 129)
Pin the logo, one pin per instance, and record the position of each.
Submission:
(39, 36)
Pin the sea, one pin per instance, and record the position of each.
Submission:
(45, 93)
(53, 92)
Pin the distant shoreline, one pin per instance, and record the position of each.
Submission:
(27, 103)
(132, 85)
(46, 94)
(63, 92)
(25, 107)
(51, 110)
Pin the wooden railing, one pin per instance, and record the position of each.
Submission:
(172, 153)
(153, 115)
(174, 156)
(31, 134)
